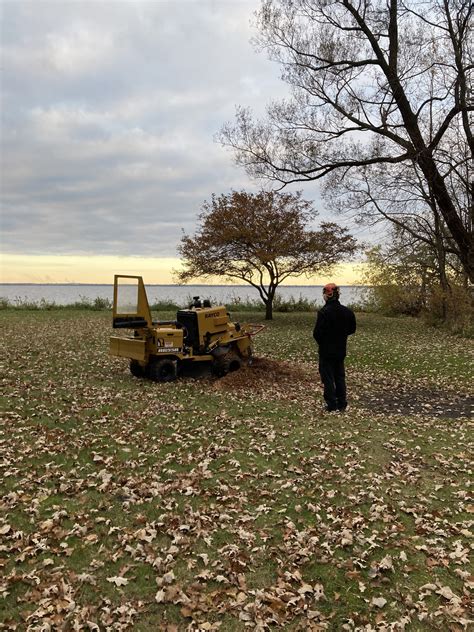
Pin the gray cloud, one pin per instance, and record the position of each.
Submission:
(108, 117)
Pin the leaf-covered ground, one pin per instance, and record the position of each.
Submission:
(237, 503)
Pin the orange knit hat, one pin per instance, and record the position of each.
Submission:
(330, 288)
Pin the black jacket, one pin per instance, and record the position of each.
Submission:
(333, 324)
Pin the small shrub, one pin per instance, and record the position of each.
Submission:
(394, 300)
(293, 305)
(102, 303)
(97, 304)
(453, 310)
(43, 304)
(24, 303)
(357, 307)
(165, 306)
(238, 305)
(82, 303)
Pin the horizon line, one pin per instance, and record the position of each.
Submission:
(179, 284)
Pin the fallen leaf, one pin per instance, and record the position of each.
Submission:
(118, 581)
(160, 596)
(379, 602)
(447, 593)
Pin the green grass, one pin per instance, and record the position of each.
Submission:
(233, 496)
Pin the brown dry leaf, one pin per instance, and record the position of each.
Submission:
(379, 602)
(118, 581)
(169, 577)
(386, 563)
(160, 596)
(447, 593)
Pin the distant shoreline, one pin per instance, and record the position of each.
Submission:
(176, 285)
(70, 293)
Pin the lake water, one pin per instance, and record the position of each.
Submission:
(65, 294)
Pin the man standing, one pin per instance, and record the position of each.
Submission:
(334, 324)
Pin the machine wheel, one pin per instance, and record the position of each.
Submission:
(227, 364)
(164, 370)
(136, 368)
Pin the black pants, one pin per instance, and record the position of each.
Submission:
(333, 376)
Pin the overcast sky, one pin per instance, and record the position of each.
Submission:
(109, 112)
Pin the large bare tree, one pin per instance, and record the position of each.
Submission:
(374, 82)
(261, 239)
(400, 195)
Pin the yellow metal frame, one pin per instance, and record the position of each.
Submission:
(143, 309)
(128, 348)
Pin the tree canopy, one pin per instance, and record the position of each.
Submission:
(261, 239)
(376, 84)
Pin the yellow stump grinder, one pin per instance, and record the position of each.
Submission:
(160, 349)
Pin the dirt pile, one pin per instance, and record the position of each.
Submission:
(270, 376)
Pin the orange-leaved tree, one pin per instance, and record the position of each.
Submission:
(262, 239)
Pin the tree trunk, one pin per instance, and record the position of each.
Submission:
(269, 309)
(270, 296)
(462, 236)
(441, 261)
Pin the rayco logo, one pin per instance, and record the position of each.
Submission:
(212, 315)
